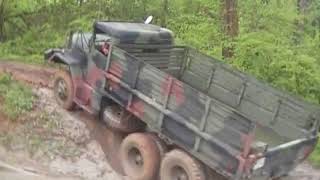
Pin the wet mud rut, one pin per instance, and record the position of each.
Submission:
(108, 140)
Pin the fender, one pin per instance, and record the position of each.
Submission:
(63, 56)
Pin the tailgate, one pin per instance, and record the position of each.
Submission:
(280, 160)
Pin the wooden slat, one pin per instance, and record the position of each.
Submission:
(165, 101)
(203, 123)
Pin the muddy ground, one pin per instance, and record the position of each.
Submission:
(68, 147)
(52, 143)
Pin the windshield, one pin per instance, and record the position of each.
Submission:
(82, 40)
(101, 39)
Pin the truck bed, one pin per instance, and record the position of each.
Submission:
(288, 116)
(216, 113)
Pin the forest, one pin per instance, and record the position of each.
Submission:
(277, 41)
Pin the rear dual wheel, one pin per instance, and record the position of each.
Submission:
(178, 165)
(141, 156)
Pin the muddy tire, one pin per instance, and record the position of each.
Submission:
(163, 148)
(64, 90)
(179, 165)
(140, 157)
(121, 120)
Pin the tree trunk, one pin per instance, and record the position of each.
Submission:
(231, 26)
(144, 6)
(80, 2)
(254, 17)
(2, 19)
(303, 7)
(165, 12)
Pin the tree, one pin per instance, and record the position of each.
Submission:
(231, 26)
(165, 12)
(2, 19)
(303, 6)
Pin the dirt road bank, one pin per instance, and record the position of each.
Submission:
(52, 141)
(36, 75)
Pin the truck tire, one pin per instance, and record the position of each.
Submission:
(64, 90)
(160, 143)
(121, 120)
(140, 157)
(179, 165)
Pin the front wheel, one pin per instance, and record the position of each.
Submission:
(64, 90)
(179, 165)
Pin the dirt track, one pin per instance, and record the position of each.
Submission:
(31, 74)
(95, 146)
(103, 142)
(41, 77)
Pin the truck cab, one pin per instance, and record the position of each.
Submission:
(86, 53)
(141, 39)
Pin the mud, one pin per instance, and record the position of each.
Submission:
(86, 160)
(81, 137)
(36, 75)
(99, 157)
(304, 172)
(84, 131)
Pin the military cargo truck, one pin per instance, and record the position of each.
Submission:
(187, 115)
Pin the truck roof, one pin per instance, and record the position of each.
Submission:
(134, 33)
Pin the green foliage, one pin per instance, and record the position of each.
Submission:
(17, 99)
(315, 156)
(206, 38)
(261, 55)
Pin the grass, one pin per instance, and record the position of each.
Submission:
(37, 131)
(315, 156)
(40, 135)
(29, 47)
(8, 54)
(31, 59)
(17, 99)
(46, 137)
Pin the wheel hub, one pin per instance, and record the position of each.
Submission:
(136, 159)
(112, 113)
(139, 160)
(61, 90)
(179, 173)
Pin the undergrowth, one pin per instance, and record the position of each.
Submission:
(315, 156)
(17, 99)
(36, 131)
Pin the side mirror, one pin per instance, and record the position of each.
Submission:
(148, 20)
